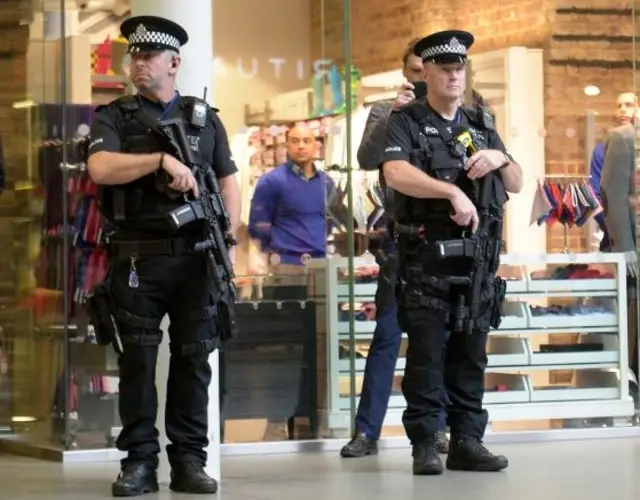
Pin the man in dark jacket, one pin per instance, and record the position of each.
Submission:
(383, 353)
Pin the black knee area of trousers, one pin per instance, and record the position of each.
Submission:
(192, 341)
(138, 399)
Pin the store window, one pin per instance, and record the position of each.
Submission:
(555, 81)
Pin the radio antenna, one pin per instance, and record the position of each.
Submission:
(204, 97)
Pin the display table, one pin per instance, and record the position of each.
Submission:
(560, 352)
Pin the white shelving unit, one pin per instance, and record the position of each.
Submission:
(514, 391)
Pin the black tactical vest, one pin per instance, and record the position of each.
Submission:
(139, 205)
(434, 152)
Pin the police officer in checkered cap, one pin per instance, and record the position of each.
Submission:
(438, 157)
(153, 34)
(154, 268)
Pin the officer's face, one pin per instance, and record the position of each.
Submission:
(151, 70)
(414, 68)
(301, 144)
(446, 81)
(626, 108)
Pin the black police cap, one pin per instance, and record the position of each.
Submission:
(152, 33)
(445, 47)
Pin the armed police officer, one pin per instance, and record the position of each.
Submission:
(154, 268)
(450, 173)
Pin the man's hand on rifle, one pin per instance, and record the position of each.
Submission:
(483, 162)
(464, 211)
(182, 178)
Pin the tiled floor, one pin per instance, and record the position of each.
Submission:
(583, 470)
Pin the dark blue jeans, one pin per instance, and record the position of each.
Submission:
(383, 355)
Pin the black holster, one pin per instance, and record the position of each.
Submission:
(102, 315)
(227, 324)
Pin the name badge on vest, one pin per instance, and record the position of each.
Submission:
(431, 131)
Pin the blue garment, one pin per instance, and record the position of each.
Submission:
(288, 213)
(381, 365)
(597, 162)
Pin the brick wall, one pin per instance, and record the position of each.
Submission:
(576, 36)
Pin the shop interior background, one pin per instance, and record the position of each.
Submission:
(551, 73)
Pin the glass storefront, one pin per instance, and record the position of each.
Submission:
(297, 80)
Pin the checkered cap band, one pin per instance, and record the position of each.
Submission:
(143, 36)
(454, 47)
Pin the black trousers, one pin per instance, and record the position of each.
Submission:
(180, 287)
(438, 357)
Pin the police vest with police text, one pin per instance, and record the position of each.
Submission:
(139, 204)
(435, 156)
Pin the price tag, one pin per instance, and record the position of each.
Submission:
(572, 257)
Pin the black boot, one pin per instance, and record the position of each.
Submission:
(190, 477)
(359, 446)
(467, 453)
(426, 461)
(442, 442)
(135, 479)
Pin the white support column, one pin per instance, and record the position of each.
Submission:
(196, 72)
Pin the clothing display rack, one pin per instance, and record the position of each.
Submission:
(548, 297)
(84, 393)
(567, 199)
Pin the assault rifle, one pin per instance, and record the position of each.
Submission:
(209, 207)
(487, 247)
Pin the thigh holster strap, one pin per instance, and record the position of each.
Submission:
(416, 276)
(197, 315)
(196, 348)
(142, 340)
(137, 321)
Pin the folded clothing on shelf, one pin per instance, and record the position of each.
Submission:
(570, 310)
(365, 311)
(366, 274)
(571, 272)
(344, 353)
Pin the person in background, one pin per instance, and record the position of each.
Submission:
(626, 108)
(288, 208)
(383, 353)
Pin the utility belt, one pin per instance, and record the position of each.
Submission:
(143, 248)
(443, 247)
(435, 292)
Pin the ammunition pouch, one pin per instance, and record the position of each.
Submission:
(444, 167)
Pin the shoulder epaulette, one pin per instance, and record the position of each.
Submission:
(126, 103)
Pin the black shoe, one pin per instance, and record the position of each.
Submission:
(467, 453)
(359, 446)
(426, 460)
(134, 480)
(442, 442)
(190, 477)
